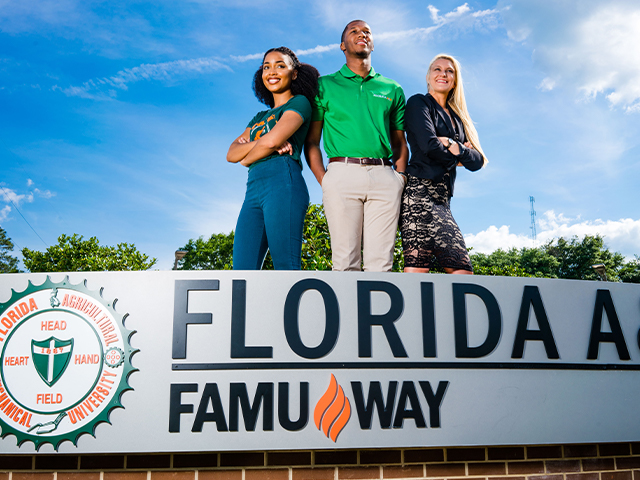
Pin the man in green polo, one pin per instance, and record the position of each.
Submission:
(361, 114)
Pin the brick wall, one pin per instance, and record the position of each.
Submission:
(617, 461)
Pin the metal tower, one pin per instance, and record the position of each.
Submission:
(533, 220)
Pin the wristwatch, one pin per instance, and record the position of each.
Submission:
(450, 142)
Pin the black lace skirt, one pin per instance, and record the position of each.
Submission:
(430, 235)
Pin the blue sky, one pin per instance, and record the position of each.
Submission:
(115, 117)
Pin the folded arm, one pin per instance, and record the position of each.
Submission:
(240, 147)
(271, 141)
(247, 152)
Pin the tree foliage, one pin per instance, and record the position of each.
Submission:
(630, 271)
(527, 262)
(214, 253)
(576, 257)
(8, 263)
(561, 258)
(74, 254)
(316, 243)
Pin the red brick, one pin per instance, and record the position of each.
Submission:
(597, 464)
(179, 475)
(31, 476)
(410, 471)
(377, 457)
(242, 459)
(612, 449)
(635, 448)
(125, 476)
(313, 474)
(359, 472)
(341, 457)
(465, 454)
(524, 468)
(220, 475)
(562, 466)
(78, 476)
(507, 478)
(493, 468)
(446, 470)
(264, 474)
(545, 451)
(101, 462)
(583, 476)
(16, 462)
(288, 458)
(148, 461)
(546, 477)
(506, 453)
(572, 451)
(424, 455)
(616, 475)
(636, 475)
(627, 463)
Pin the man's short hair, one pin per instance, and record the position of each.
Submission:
(347, 26)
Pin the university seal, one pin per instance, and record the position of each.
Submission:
(65, 362)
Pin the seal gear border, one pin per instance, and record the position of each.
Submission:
(115, 402)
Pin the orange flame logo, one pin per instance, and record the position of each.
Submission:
(333, 410)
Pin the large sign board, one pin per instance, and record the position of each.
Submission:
(220, 360)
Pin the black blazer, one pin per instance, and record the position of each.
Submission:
(425, 120)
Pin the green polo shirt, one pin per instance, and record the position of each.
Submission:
(358, 113)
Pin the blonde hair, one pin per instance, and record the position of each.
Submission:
(458, 104)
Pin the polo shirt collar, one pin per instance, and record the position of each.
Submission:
(346, 72)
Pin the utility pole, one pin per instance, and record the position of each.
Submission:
(533, 220)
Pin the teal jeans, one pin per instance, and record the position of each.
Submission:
(272, 216)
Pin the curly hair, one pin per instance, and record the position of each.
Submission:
(306, 83)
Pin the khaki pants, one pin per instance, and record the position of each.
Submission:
(362, 205)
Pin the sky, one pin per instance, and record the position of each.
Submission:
(116, 116)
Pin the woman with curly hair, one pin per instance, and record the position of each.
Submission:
(442, 137)
(276, 201)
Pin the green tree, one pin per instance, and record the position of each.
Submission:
(8, 263)
(576, 257)
(215, 253)
(526, 262)
(630, 271)
(74, 254)
(316, 243)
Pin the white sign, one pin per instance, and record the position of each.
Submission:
(221, 360)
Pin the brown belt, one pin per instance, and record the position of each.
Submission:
(362, 161)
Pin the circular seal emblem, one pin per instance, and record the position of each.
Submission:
(65, 362)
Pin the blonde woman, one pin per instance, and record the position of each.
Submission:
(442, 137)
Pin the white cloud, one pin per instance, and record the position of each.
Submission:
(318, 49)
(4, 213)
(45, 193)
(447, 17)
(547, 84)
(29, 182)
(246, 58)
(585, 45)
(619, 235)
(146, 71)
(10, 196)
(461, 17)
